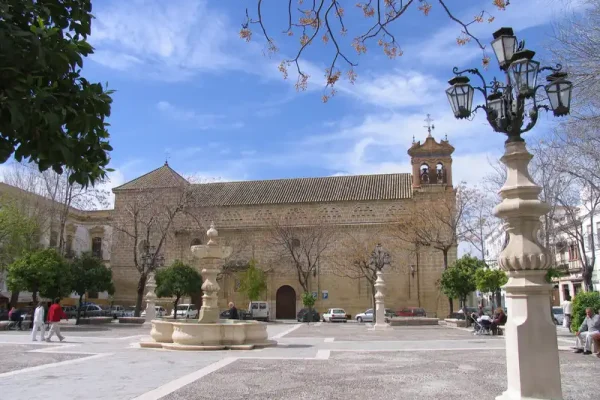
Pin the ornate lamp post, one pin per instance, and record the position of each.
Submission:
(512, 108)
(378, 260)
(151, 259)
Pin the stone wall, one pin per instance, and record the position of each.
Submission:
(248, 230)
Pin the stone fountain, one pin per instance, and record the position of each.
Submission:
(208, 332)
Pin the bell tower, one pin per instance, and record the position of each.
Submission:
(431, 161)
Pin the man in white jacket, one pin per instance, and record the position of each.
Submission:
(38, 322)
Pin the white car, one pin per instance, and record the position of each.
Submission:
(160, 312)
(117, 311)
(335, 314)
(366, 316)
(186, 311)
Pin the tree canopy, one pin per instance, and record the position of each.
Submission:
(49, 113)
(490, 280)
(253, 283)
(458, 281)
(18, 233)
(177, 280)
(44, 272)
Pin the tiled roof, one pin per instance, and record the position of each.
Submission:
(305, 190)
(163, 177)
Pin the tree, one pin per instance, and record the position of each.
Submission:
(49, 113)
(357, 258)
(491, 281)
(321, 20)
(146, 223)
(177, 281)
(90, 275)
(301, 242)
(582, 301)
(437, 222)
(253, 283)
(308, 301)
(458, 281)
(44, 272)
(479, 220)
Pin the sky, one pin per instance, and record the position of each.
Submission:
(189, 90)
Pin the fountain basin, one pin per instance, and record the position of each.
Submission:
(192, 335)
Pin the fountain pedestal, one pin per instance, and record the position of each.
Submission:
(380, 323)
(209, 332)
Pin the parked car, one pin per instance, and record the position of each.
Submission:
(160, 312)
(186, 311)
(558, 315)
(303, 314)
(259, 310)
(129, 311)
(367, 316)
(91, 310)
(3, 314)
(411, 312)
(70, 311)
(242, 314)
(117, 311)
(335, 314)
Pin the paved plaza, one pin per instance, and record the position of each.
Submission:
(316, 361)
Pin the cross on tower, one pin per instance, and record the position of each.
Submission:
(429, 125)
(167, 156)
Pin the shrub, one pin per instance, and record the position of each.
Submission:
(580, 303)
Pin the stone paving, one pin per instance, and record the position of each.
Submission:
(320, 361)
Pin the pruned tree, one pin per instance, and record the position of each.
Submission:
(357, 258)
(146, 220)
(327, 21)
(253, 283)
(437, 222)
(491, 281)
(177, 281)
(90, 275)
(49, 113)
(479, 220)
(300, 243)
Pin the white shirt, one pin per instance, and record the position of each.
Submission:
(38, 316)
(567, 307)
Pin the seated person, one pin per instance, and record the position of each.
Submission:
(15, 318)
(587, 332)
(499, 320)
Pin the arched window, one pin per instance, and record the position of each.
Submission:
(440, 172)
(143, 246)
(295, 243)
(53, 239)
(424, 173)
(196, 242)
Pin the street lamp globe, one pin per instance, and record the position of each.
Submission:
(460, 96)
(496, 110)
(559, 91)
(504, 45)
(523, 72)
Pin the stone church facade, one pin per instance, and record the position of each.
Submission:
(364, 206)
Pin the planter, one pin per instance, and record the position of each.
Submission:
(413, 321)
(95, 320)
(132, 320)
(162, 332)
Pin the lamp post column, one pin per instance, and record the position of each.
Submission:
(533, 368)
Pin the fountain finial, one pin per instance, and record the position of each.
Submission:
(212, 233)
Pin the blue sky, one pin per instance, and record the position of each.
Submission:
(188, 87)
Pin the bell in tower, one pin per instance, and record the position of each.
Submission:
(431, 161)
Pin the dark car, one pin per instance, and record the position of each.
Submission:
(411, 312)
(242, 314)
(3, 314)
(303, 314)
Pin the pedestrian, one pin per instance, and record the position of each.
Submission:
(588, 329)
(15, 318)
(233, 312)
(567, 307)
(55, 314)
(38, 322)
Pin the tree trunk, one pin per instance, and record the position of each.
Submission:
(140, 294)
(450, 300)
(373, 302)
(14, 298)
(79, 309)
(34, 297)
(175, 307)
(499, 298)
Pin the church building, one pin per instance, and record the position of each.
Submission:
(365, 207)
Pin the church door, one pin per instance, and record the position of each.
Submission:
(285, 303)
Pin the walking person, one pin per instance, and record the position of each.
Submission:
(38, 322)
(567, 307)
(233, 312)
(55, 314)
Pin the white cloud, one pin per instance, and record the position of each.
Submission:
(197, 120)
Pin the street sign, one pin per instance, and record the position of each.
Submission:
(325, 294)
(315, 294)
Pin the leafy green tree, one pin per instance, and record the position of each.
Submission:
(253, 283)
(177, 280)
(90, 275)
(458, 281)
(582, 301)
(49, 113)
(308, 301)
(490, 281)
(44, 272)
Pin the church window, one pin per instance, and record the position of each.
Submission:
(196, 242)
(424, 173)
(53, 239)
(440, 172)
(97, 247)
(295, 243)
